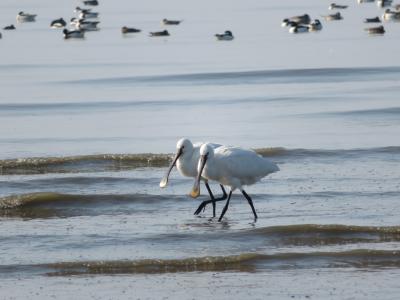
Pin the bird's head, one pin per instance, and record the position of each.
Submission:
(206, 152)
(183, 146)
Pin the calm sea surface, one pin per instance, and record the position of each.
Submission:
(88, 127)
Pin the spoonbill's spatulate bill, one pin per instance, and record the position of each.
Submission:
(186, 160)
(234, 167)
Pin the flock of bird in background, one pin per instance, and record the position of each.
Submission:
(87, 20)
(229, 166)
(303, 23)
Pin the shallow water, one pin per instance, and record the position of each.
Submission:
(89, 127)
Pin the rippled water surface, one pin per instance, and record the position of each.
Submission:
(89, 127)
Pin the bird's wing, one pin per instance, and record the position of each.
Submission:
(213, 145)
(242, 163)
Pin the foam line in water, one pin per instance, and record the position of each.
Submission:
(82, 163)
(51, 205)
(118, 162)
(311, 235)
(246, 262)
(327, 229)
(49, 199)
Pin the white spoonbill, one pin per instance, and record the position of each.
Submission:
(186, 160)
(234, 167)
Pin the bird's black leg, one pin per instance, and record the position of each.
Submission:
(203, 204)
(250, 202)
(226, 206)
(224, 194)
(211, 196)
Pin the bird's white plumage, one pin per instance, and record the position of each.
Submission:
(234, 166)
(298, 29)
(88, 15)
(188, 157)
(187, 162)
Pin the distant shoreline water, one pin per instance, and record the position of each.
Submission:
(118, 162)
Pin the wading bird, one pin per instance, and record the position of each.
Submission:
(234, 167)
(186, 160)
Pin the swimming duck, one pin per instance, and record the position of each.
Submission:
(129, 30)
(171, 22)
(384, 3)
(337, 6)
(375, 30)
(74, 21)
(226, 36)
(91, 2)
(315, 26)
(88, 15)
(160, 33)
(9, 27)
(59, 23)
(84, 10)
(390, 15)
(288, 23)
(303, 19)
(86, 25)
(73, 34)
(24, 17)
(372, 20)
(364, 1)
(333, 17)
